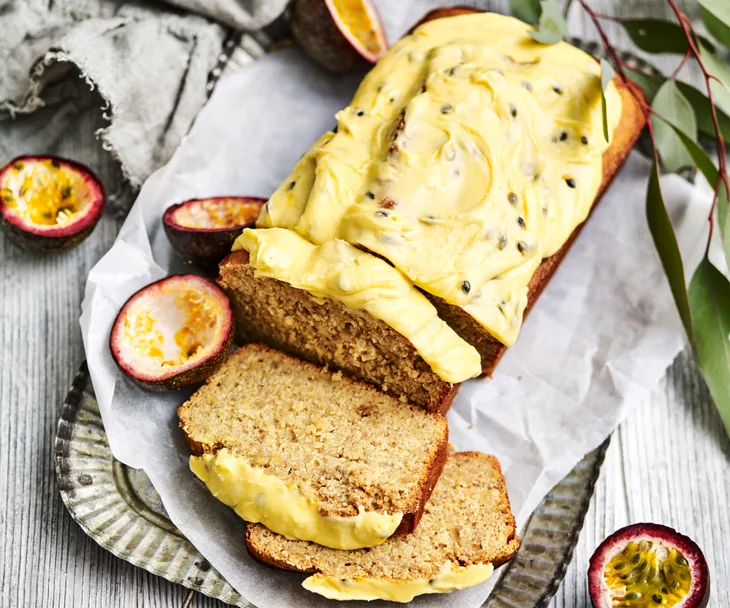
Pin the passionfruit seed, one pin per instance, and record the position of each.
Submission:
(648, 565)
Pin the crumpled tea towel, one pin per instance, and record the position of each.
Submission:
(149, 61)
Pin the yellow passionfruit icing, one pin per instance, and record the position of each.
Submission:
(450, 578)
(469, 153)
(259, 497)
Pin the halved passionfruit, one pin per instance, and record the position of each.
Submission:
(173, 333)
(647, 566)
(49, 204)
(202, 231)
(339, 34)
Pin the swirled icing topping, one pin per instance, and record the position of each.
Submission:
(469, 153)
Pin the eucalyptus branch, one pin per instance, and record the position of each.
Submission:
(619, 64)
(722, 178)
(672, 124)
(692, 52)
(566, 8)
(681, 64)
(688, 29)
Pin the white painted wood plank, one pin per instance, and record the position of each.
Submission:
(667, 464)
(46, 560)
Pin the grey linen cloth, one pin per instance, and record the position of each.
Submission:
(147, 62)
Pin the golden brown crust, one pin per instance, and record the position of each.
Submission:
(446, 11)
(269, 560)
(426, 486)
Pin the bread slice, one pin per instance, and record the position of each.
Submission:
(467, 522)
(327, 332)
(342, 445)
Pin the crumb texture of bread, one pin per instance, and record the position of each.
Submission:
(466, 522)
(326, 332)
(340, 443)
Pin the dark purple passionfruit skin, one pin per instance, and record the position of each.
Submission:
(336, 39)
(645, 565)
(49, 204)
(173, 333)
(202, 231)
(442, 13)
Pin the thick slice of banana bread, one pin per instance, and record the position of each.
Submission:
(313, 441)
(467, 524)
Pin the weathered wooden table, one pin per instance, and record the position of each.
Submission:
(669, 462)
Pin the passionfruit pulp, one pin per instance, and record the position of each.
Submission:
(49, 204)
(173, 333)
(202, 231)
(648, 565)
(339, 34)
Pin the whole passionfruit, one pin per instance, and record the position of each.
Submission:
(648, 565)
(202, 231)
(443, 12)
(49, 204)
(339, 34)
(173, 333)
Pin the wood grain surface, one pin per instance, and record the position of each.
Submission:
(669, 462)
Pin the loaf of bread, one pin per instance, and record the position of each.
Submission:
(328, 332)
(467, 530)
(310, 453)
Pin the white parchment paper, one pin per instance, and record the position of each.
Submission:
(600, 338)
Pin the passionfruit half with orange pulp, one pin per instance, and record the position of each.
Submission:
(202, 231)
(49, 204)
(173, 333)
(339, 34)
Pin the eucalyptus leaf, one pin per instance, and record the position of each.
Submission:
(707, 166)
(699, 156)
(526, 10)
(723, 219)
(658, 36)
(716, 15)
(666, 246)
(701, 106)
(649, 84)
(698, 100)
(720, 70)
(709, 297)
(607, 74)
(551, 27)
(672, 106)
